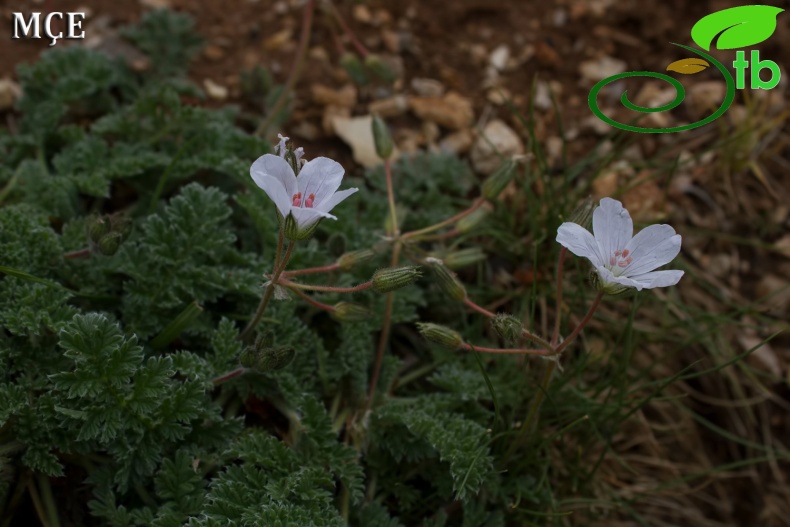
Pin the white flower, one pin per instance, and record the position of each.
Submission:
(621, 259)
(301, 200)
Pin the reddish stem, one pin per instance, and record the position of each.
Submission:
(581, 325)
(309, 300)
(81, 253)
(478, 308)
(361, 49)
(311, 270)
(449, 221)
(225, 377)
(326, 288)
(507, 350)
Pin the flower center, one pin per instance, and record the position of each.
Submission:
(619, 261)
(296, 200)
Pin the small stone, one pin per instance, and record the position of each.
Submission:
(307, 130)
(554, 149)
(601, 68)
(318, 54)
(458, 142)
(427, 87)
(390, 107)
(278, 40)
(345, 97)
(498, 96)
(330, 113)
(357, 132)
(645, 200)
(9, 93)
(451, 111)
(213, 52)
(546, 55)
(542, 97)
(778, 288)
(216, 91)
(499, 57)
(361, 13)
(705, 97)
(381, 17)
(607, 183)
(496, 140)
(156, 4)
(430, 131)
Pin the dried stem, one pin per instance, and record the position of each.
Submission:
(326, 288)
(449, 221)
(361, 49)
(520, 351)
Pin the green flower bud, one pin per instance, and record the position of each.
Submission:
(583, 213)
(123, 226)
(611, 289)
(500, 179)
(464, 257)
(275, 358)
(109, 243)
(353, 66)
(98, 227)
(392, 278)
(508, 327)
(379, 68)
(382, 138)
(352, 259)
(446, 279)
(441, 335)
(293, 231)
(467, 223)
(248, 357)
(350, 312)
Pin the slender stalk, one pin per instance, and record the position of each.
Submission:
(525, 334)
(326, 288)
(478, 308)
(37, 504)
(521, 351)
(80, 253)
(581, 325)
(449, 221)
(558, 311)
(391, 198)
(385, 332)
(48, 500)
(361, 49)
(301, 54)
(307, 298)
(267, 295)
(438, 237)
(225, 377)
(311, 270)
(9, 186)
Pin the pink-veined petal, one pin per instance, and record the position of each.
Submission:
(579, 241)
(331, 202)
(658, 278)
(612, 226)
(608, 278)
(278, 168)
(651, 248)
(276, 192)
(320, 176)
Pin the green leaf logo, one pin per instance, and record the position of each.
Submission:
(738, 27)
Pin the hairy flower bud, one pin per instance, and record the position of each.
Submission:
(123, 226)
(508, 327)
(464, 257)
(98, 227)
(467, 223)
(109, 243)
(441, 335)
(582, 215)
(352, 259)
(350, 312)
(497, 181)
(382, 138)
(446, 279)
(392, 278)
(275, 358)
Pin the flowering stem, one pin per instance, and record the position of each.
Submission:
(225, 377)
(581, 325)
(385, 331)
(311, 270)
(326, 288)
(438, 237)
(391, 199)
(449, 221)
(301, 54)
(81, 253)
(525, 334)
(480, 309)
(361, 49)
(307, 298)
(279, 267)
(506, 350)
(558, 314)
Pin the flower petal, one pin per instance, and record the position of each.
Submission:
(320, 176)
(278, 168)
(651, 248)
(608, 278)
(306, 217)
(658, 278)
(579, 241)
(276, 192)
(334, 199)
(612, 226)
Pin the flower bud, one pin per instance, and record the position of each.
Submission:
(293, 231)
(275, 358)
(354, 258)
(123, 226)
(379, 68)
(446, 279)
(508, 327)
(497, 181)
(392, 278)
(350, 312)
(609, 288)
(248, 357)
(441, 335)
(467, 223)
(109, 243)
(464, 257)
(351, 63)
(582, 215)
(97, 228)
(381, 137)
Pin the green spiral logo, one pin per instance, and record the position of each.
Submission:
(680, 94)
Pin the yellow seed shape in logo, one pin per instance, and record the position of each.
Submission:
(688, 66)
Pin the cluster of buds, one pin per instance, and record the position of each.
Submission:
(107, 233)
(264, 356)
